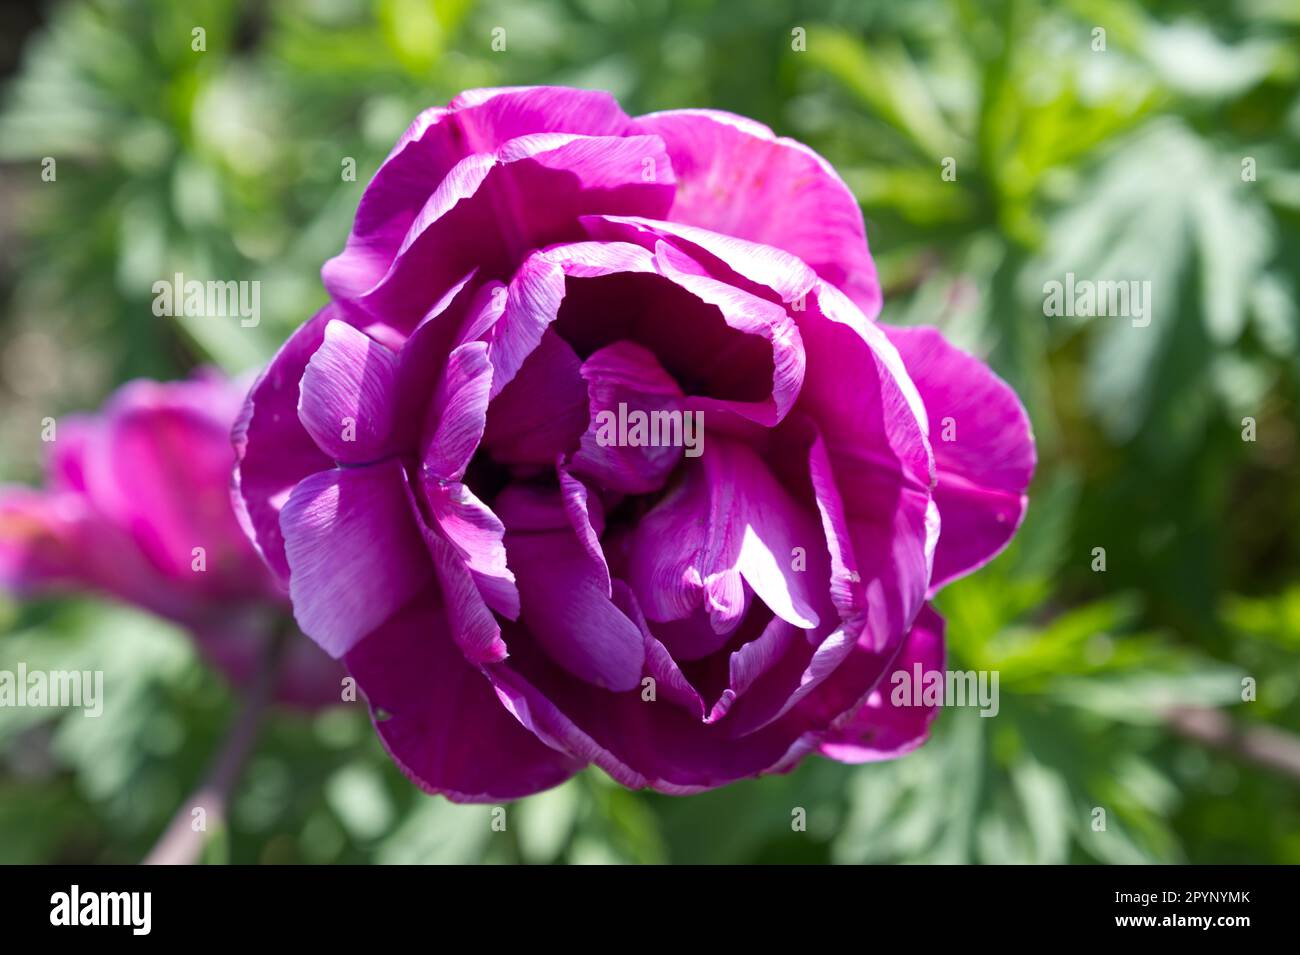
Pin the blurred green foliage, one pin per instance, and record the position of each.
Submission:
(1125, 161)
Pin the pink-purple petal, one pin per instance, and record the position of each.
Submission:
(354, 552)
(983, 449)
(439, 716)
(727, 524)
(273, 450)
(347, 395)
(543, 412)
(565, 597)
(737, 178)
(458, 413)
(485, 213)
(477, 121)
(760, 269)
(624, 380)
(751, 315)
(157, 466)
(478, 536)
(881, 728)
(873, 426)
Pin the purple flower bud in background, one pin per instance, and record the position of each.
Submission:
(137, 507)
(598, 455)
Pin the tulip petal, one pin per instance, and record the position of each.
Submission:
(661, 667)
(273, 450)
(751, 315)
(440, 719)
(39, 540)
(695, 636)
(734, 176)
(983, 450)
(158, 466)
(485, 213)
(473, 627)
(587, 518)
(347, 394)
(758, 656)
(881, 729)
(565, 598)
(636, 741)
(65, 464)
(458, 413)
(543, 412)
(729, 520)
(537, 290)
(478, 536)
(354, 552)
(759, 269)
(743, 348)
(873, 431)
(631, 445)
(464, 315)
(477, 121)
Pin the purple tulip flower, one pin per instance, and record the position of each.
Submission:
(137, 507)
(482, 472)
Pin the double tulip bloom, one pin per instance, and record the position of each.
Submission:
(519, 596)
(439, 469)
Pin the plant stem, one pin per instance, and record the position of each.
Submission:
(181, 843)
(1264, 746)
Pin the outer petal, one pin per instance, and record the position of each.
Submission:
(354, 550)
(438, 715)
(65, 468)
(114, 524)
(874, 431)
(351, 379)
(273, 450)
(49, 542)
(476, 121)
(880, 729)
(458, 413)
(661, 744)
(986, 467)
(493, 209)
(737, 178)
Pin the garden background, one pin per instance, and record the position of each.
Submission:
(1166, 148)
